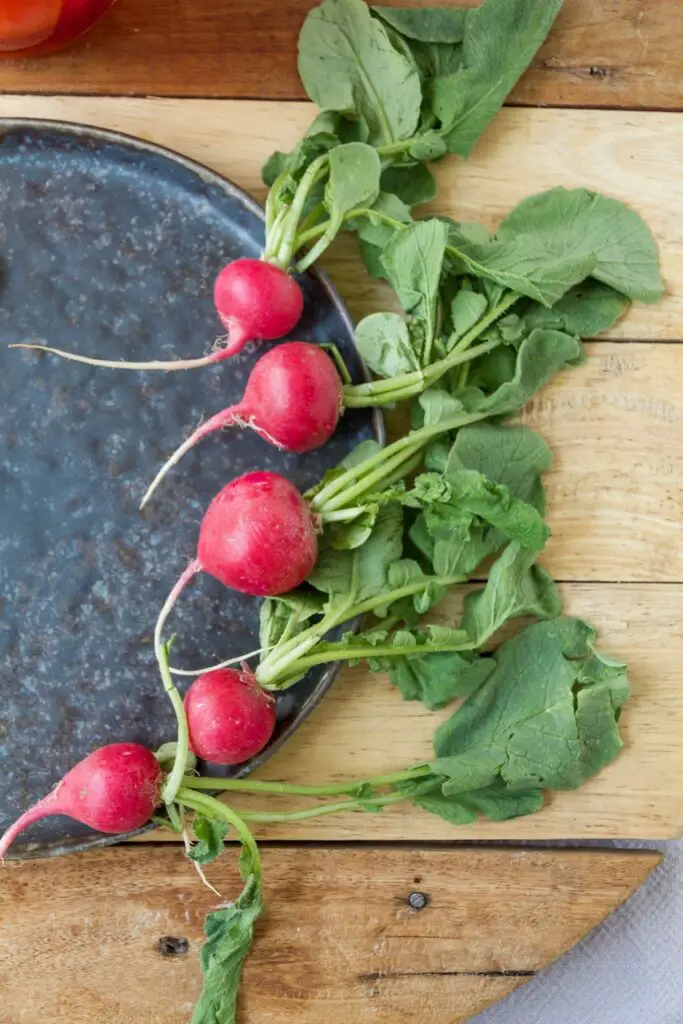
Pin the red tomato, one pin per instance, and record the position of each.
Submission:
(31, 27)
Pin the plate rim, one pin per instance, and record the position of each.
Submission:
(77, 844)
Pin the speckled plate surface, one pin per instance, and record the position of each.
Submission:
(109, 246)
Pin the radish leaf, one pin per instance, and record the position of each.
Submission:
(429, 24)
(385, 344)
(513, 456)
(499, 42)
(288, 613)
(210, 833)
(587, 309)
(413, 184)
(229, 935)
(541, 355)
(578, 224)
(353, 180)
(362, 573)
(528, 725)
(413, 259)
(347, 63)
(515, 587)
(496, 802)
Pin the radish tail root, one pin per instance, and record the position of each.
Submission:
(222, 419)
(193, 569)
(35, 813)
(112, 364)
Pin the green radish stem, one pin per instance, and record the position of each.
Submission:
(344, 515)
(289, 653)
(347, 652)
(361, 479)
(408, 385)
(195, 801)
(272, 211)
(292, 789)
(282, 256)
(208, 805)
(269, 818)
(175, 778)
(292, 653)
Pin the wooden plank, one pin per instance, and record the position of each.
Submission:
(634, 156)
(615, 492)
(363, 728)
(620, 53)
(339, 940)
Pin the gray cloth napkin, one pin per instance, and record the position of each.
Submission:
(629, 970)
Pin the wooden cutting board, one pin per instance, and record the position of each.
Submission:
(113, 936)
(615, 426)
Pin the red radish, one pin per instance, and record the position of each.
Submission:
(230, 717)
(293, 399)
(257, 536)
(114, 790)
(255, 301)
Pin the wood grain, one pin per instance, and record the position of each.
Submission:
(604, 53)
(615, 492)
(634, 156)
(80, 937)
(363, 728)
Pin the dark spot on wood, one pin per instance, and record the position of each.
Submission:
(170, 945)
(591, 71)
(418, 900)
(417, 880)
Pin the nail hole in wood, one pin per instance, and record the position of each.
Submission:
(171, 945)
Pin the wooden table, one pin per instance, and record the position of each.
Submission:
(81, 938)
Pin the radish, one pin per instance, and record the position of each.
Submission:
(255, 301)
(114, 790)
(257, 536)
(293, 398)
(230, 717)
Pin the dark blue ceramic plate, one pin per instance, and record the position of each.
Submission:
(109, 246)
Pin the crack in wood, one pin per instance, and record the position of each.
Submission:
(373, 976)
(581, 71)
